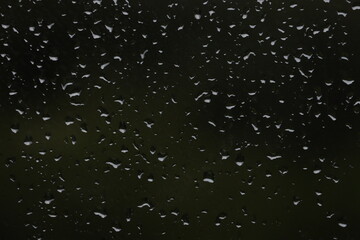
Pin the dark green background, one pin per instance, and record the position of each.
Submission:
(269, 76)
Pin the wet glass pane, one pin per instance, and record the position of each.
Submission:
(179, 119)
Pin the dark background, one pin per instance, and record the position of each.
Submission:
(179, 119)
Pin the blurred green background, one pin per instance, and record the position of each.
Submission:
(179, 120)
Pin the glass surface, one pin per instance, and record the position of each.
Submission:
(179, 119)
